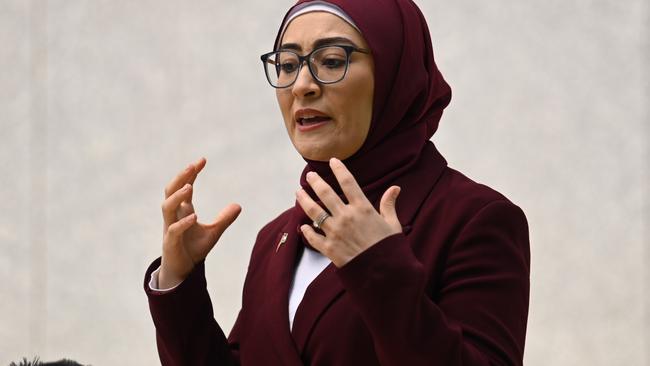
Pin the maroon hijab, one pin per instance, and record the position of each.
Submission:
(410, 95)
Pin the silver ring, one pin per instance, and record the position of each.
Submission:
(320, 219)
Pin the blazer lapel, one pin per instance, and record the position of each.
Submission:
(280, 274)
(319, 296)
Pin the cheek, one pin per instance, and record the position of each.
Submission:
(359, 102)
(366, 101)
(284, 102)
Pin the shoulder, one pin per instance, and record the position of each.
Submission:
(487, 223)
(456, 201)
(458, 187)
(457, 192)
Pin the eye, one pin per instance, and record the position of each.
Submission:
(288, 66)
(331, 58)
(333, 62)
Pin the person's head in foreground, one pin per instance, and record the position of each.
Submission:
(37, 362)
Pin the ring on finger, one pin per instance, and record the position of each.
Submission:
(320, 219)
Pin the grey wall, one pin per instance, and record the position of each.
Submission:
(101, 102)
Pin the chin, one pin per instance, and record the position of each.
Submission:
(311, 153)
(315, 157)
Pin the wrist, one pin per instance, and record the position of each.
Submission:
(167, 279)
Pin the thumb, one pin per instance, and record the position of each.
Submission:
(223, 220)
(387, 207)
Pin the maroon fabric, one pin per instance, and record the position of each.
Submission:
(409, 98)
(452, 291)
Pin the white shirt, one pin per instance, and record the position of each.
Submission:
(311, 264)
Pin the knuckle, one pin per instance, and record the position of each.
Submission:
(328, 249)
(163, 206)
(347, 180)
(332, 196)
(367, 210)
(345, 217)
(315, 211)
(177, 228)
(318, 187)
(344, 226)
(172, 230)
(334, 235)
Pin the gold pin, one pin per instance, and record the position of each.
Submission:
(282, 241)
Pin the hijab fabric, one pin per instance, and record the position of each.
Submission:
(409, 98)
(317, 5)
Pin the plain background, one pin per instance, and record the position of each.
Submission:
(102, 102)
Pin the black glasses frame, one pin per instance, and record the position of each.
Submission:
(301, 59)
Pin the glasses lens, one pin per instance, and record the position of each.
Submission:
(329, 64)
(281, 68)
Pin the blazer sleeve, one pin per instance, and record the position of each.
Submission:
(186, 332)
(476, 316)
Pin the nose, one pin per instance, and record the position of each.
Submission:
(305, 85)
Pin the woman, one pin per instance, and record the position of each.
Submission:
(352, 275)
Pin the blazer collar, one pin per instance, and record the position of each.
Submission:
(279, 277)
(323, 291)
(320, 294)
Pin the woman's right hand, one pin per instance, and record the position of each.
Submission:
(185, 240)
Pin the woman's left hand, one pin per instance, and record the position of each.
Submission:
(353, 227)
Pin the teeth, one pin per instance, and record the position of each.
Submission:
(307, 118)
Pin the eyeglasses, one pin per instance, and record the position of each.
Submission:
(327, 65)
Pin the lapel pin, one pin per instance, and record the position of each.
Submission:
(282, 241)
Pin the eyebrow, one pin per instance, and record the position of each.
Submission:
(318, 43)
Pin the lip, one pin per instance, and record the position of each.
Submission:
(301, 113)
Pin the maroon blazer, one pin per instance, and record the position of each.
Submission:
(452, 289)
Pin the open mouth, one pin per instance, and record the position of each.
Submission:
(312, 120)
(308, 119)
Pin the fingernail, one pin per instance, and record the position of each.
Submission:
(310, 175)
(187, 187)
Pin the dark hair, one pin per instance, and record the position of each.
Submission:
(37, 362)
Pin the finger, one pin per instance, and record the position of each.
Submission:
(347, 182)
(314, 239)
(184, 208)
(223, 220)
(311, 208)
(170, 205)
(186, 176)
(175, 230)
(387, 206)
(197, 167)
(330, 199)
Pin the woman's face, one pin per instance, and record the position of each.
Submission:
(344, 109)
